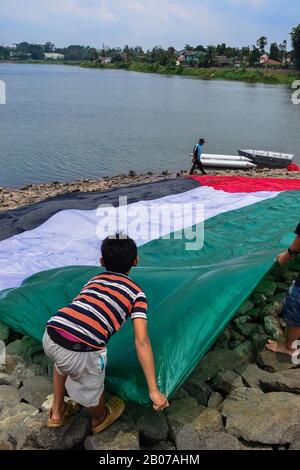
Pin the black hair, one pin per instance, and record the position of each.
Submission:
(119, 253)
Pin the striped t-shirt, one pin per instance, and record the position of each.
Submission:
(101, 309)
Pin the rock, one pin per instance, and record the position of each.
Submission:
(273, 328)
(245, 308)
(244, 326)
(153, 426)
(132, 411)
(283, 287)
(264, 418)
(215, 401)
(219, 441)
(286, 381)
(200, 391)
(227, 381)
(251, 446)
(120, 436)
(234, 344)
(245, 351)
(237, 336)
(259, 299)
(9, 379)
(187, 439)
(35, 390)
(164, 445)
(288, 276)
(47, 405)
(214, 362)
(259, 341)
(267, 288)
(12, 417)
(188, 411)
(251, 375)
(180, 394)
(273, 309)
(4, 332)
(34, 433)
(9, 396)
(223, 340)
(25, 347)
(274, 362)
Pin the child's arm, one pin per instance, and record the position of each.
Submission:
(286, 257)
(145, 356)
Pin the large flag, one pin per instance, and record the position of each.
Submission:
(48, 251)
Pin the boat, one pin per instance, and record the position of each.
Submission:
(268, 159)
(226, 161)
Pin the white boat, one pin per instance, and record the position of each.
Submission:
(226, 161)
(268, 159)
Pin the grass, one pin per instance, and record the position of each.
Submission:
(272, 76)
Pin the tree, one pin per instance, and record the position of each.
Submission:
(254, 56)
(93, 54)
(188, 48)
(209, 57)
(283, 50)
(295, 35)
(221, 49)
(49, 47)
(275, 53)
(262, 43)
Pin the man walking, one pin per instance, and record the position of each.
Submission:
(197, 153)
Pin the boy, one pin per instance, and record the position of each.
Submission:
(291, 309)
(197, 153)
(76, 338)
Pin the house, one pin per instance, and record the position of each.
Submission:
(222, 61)
(266, 61)
(105, 60)
(53, 56)
(189, 57)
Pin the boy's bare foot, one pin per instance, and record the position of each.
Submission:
(277, 347)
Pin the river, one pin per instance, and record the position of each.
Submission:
(62, 122)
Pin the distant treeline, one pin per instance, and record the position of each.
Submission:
(197, 56)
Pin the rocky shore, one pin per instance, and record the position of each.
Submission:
(239, 397)
(11, 198)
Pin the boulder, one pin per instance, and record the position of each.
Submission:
(267, 288)
(227, 381)
(35, 390)
(188, 411)
(259, 342)
(252, 375)
(274, 310)
(165, 446)
(245, 308)
(122, 435)
(244, 326)
(273, 328)
(25, 347)
(180, 394)
(263, 418)
(12, 417)
(259, 300)
(215, 401)
(214, 362)
(9, 379)
(4, 332)
(153, 426)
(286, 381)
(200, 391)
(274, 362)
(187, 439)
(9, 396)
(245, 351)
(219, 441)
(33, 433)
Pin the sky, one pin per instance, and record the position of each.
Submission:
(146, 22)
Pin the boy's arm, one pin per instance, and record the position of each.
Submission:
(285, 257)
(146, 359)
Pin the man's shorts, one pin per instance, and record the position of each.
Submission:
(85, 371)
(291, 307)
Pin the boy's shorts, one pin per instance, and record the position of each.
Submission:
(291, 307)
(85, 371)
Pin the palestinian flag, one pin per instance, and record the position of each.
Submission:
(48, 251)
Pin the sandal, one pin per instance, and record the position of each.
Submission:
(115, 408)
(70, 409)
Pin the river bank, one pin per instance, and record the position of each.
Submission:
(258, 75)
(11, 198)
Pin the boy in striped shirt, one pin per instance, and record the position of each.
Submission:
(76, 339)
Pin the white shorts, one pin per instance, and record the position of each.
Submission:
(85, 371)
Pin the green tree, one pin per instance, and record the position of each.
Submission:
(262, 43)
(275, 53)
(254, 56)
(295, 35)
(283, 50)
(209, 57)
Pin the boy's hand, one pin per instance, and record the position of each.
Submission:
(284, 258)
(160, 402)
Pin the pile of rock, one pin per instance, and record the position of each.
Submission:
(240, 396)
